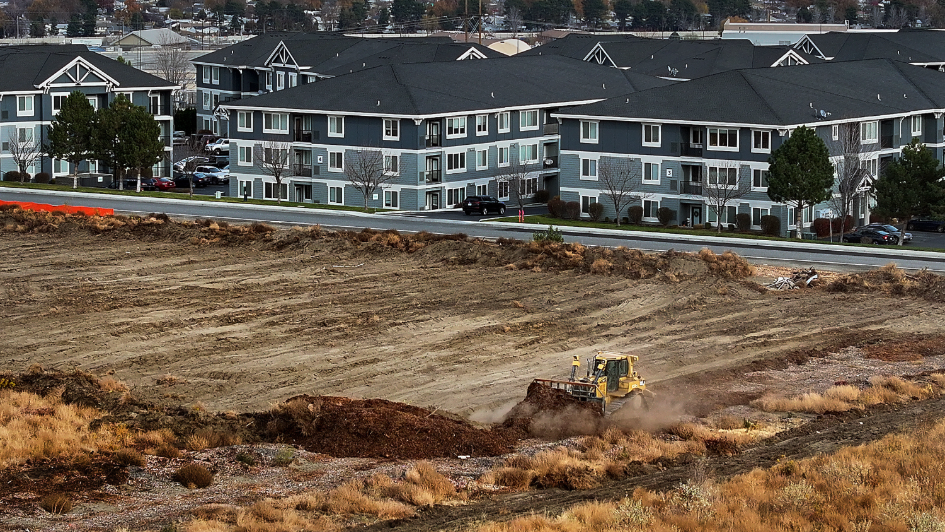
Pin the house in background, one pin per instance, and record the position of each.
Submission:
(46, 75)
(279, 61)
(149, 38)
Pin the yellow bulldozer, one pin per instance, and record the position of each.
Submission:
(610, 381)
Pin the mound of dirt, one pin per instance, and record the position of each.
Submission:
(891, 280)
(550, 413)
(375, 428)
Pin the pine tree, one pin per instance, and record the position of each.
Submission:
(70, 132)
(800, 172)
(911, 185)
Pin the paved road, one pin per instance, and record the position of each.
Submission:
(798, 254)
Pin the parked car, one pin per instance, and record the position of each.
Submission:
(893, 230)
(214, 175)
(131, 183)
(196, 159)
(870, 235)
(183, 181)
(926, 224)
(218, 147)
(483, 205)
(160, 183)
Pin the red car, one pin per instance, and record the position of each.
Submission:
(162, 183)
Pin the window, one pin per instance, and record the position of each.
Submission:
(869, 132)
(276, 156)
(482, 190)
(269, 81)
(293, 79)
(275, 123)
(871, 166)
(215, 75)
(651, 135)
(391, 129)
(651, 173)
(482, 125)
(586, 203)
(456, 162)
(505, 124)
(392, 164)
(728, 215)
(244, 121)
(246, 155)
(336, 126)
(528, 153)
(455, 195)
(528, 186)
(155, 102)
(390, 199)
(482, 159)
(336, 195)
(206, 73)
(756, 215)
(456, 127)
(759, 178)
(24, 134)
(723, 176)
(761, 141)
(206, 100)
(696, 137)
(271, 189)
(589, 169)
(245, 188)
(528, 120)
(588, 132)
(60, 166)
(216, 100)
(336, 161)
(835, 132)
(650, 208)
(916, 126)
(24, 105)
(503, 155)
(723, 139)
(503, 190)
(58, 100)
(280, 81)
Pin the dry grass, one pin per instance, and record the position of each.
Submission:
(193, 476)
(56, 503)
(130, 457)
(881, 390)
(891, 484)
(34, 427)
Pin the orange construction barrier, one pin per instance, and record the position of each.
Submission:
(68, 209)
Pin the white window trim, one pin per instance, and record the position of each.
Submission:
(457, 135)
(912, 123)
(205, 70)
(279, 131)
(342, 202)
(596, 169)
(215, 75)
(643, 175)
(753, 187)
(522, 159)
(458, 170)
(249, 120)
(391, 191)
(486, 119)
(338, 120)
(652, 200)
(525, 112)
(508, 160)
(760, 150)
(478, 151)
(396, 156)
(240, 150)
(508, 122)
(28, 112)
(869, 140)
(643, 141)
(708, 139)
(835, 132)
(589, 203)
(280, 81)
(590, 140)
(334, 169)
(384, 129)
(293, 79)
(508, 188)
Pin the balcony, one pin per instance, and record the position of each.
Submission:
(693, 189)
(302, 170)
(550, 129)
(551, 162)
(432, 176)
(303, 135)
(886, 141)
(688, 149)
(434, 141)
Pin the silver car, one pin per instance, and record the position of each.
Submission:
(893, 230)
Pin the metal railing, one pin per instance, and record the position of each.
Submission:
(434, 141)
(551, 162)
(688, 149)
(432, 176)
(304, 135)
(550, 129)
(302, 170)
(886, 141)
(694, 189)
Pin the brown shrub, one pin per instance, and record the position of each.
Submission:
(511, 477)
(165, 451)
(194, 476)
(130, 457)
(601, 266)
(56, 503)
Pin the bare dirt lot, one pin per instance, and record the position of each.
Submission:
(240, 319)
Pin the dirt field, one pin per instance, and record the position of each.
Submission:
(240, 319)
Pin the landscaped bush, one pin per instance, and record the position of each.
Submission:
(771, 225)
(551, 235)
(665, 215)
(541, 196)
(821, 226)
(572, 210)
(635, 214)
(12, 175)
(595, 210)
(847, 224)
(556, 207)
(42, 177)
(743, 221)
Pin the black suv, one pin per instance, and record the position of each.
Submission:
(483, 205)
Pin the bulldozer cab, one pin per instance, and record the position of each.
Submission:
(614, 370)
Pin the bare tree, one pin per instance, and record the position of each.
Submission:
(330, 12)
(272, 159)
(172, 64)
(366, 171)
(517, 176)
(722, 187)
(850, 170)
(190, 155)
(619, 182)
(24, 149)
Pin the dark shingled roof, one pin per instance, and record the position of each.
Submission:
(910, 46)
(30, 65)
(785, 95)
(331, 55)
(422, 89)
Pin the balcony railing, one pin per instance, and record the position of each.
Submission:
(433, 141)
(302, 170)
(432, 176)
(303, 136)
(694, 189)
(550, 129)
(551, 162)
(688, 149)
(886, 141)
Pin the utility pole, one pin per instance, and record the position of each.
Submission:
(466, 20)
(480, 22)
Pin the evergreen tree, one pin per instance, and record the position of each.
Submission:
(53, 26)
(139, 141)
(70, 132)
(911, 185)
(38, 28)
(383, 18)
(105, 129)
(622, 10)
(595, 12)
(800, 172)
(75, 27)
(406, 10)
